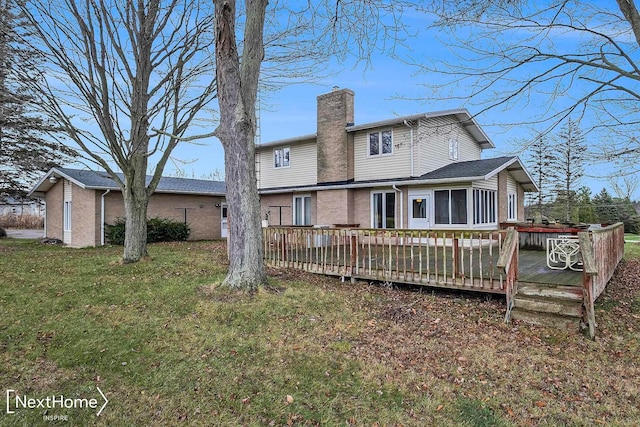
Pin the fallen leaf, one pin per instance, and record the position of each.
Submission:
(289, 399)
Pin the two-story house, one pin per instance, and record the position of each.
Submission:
(423, 171)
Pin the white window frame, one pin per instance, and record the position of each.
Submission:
(283, 155)
(379, 133)
(450, 224)
(485, 206)
(305, 203)
(454, 147)
(67, 216)
(512, 207)
(384, 208)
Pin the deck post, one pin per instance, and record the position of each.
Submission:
(283, 248)
(456, 258)
(354, 258)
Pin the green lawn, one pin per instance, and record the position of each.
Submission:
(169, 349)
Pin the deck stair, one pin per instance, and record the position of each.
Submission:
(558, 306)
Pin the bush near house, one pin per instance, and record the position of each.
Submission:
(3, 233)
(158, 230)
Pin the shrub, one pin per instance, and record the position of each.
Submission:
(3, 233)
(158, 230)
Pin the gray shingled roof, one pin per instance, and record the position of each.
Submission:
(473, 168)
(102, 180)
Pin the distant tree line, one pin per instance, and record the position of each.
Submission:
(601, 208)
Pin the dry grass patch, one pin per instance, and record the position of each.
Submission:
(169, 349)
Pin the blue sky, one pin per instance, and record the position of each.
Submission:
(382, 92)
(385, 88)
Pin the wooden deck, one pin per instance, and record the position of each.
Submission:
(455, 261)
(533, 269)
(488, 261)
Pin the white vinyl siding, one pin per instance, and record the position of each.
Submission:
(394, 165)
(433, 137)
(489, 184)
(302, 169)
(512, 185)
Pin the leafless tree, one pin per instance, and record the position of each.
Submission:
(119, 70)
(625, 186)
(308, 34)
(563, 58)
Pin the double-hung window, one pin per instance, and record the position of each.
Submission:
(302, 210)
(381, 143)
(383, 209)
(450, 206)
(512, 207)
(484, 206)
(281, 157)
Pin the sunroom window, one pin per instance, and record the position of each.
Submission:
(450, 207)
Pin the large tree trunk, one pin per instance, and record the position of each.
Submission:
(136, 200)
(246, 263)
(135, 239)
(237, 93)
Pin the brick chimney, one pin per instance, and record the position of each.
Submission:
(335, 149)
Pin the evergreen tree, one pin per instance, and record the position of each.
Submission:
(605, 207)
(25, 150)
(541, 162)
(571, 156)
(586, 212)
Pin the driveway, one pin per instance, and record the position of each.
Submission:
(24, 234)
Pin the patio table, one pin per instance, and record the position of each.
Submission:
(563, 252)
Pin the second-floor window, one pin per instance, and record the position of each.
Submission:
(281, 157)
(380, 143)
(453, 149)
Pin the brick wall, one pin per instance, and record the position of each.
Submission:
(203, 217)
(503, 204)
(335, 207)
(83, 217)
(335, 148)
(53, 200)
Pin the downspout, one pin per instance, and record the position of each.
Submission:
(401, 206)
(410, 126)
(102, 217)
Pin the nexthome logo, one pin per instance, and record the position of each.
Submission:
(16, 401)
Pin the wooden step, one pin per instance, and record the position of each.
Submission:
(544, 290)
(562, 306)
(565, 323)
(557, 306)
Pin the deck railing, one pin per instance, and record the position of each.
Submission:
(601, 250)
(460, 260)
(508, 264)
